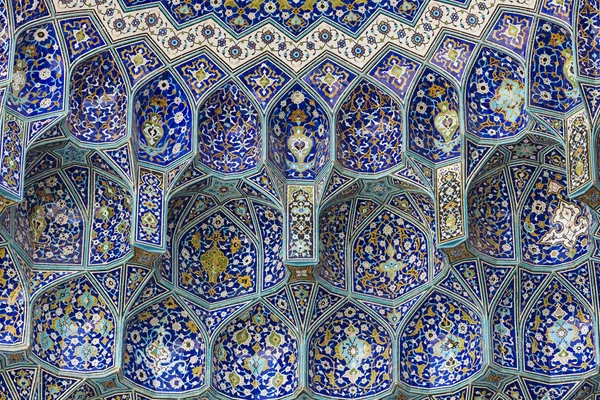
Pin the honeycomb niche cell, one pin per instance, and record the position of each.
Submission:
(98, 101)
(369, 130)
(158, 355)
(73, 328)
(229, 131)
(299, 200)
(299, 130)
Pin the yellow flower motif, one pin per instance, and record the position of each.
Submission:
(196, 240)
(191, 325)
(236, 245)
(245, 281)
(170, 303)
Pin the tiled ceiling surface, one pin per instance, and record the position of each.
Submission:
(299, 199)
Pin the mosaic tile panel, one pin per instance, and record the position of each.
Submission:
(264, 80)
(81, 36)
(390, 257)
(12, 154)
(329, 79)
(578, 147)
(444, 346)
(433, 114)
(588, 28)
(558, 334)
(139, 61)
(50, 225)
(98, 102)
(555, 229)
(38, 80)
(350, 355)
(301, 216)
(396, 72)
(256, 356)
(369, 130)
(73, 328)
(13, 310)
(163, 118)
(217, 260)
(490, 217)
(512, 32)
(228, 127)
(150, 212)
(299, 135)
(449, 214)
(553, 84)
(496, 96)
(505, 329)
(334, 224)
(199, 74)
(5, 43)
(112, 211)
(453, 55)
(165, 350)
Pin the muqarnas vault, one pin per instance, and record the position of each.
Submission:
(299, 199)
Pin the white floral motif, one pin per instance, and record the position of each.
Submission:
(573, 226)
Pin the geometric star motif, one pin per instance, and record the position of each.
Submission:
(72, 154)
